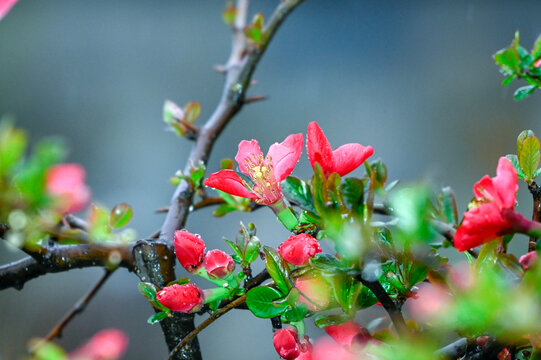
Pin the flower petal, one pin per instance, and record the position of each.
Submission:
(247, 150)
(5, 6)
(349, 157)
(284, 156)
(506, 183)
(318, 148)
(481, 224)
(228, 181)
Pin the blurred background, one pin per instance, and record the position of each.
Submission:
(414, 79)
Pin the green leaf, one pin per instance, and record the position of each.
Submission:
(536, 173)
(223, 209)
(179, 281)
(536, 50)
(227, 164)
(508, 58)
(120, 216)
(524, 134)
(251, 251)
(295, 313)
(235, 249)
(47, 351)
(333, 191)
(260, 302)
(172, 112)
(12, 146)
(156, 318)
(319, 190)
(298, 192)
(254, 32)
(508, 80)
(352, 190)
(514, 161)
(197, 173)
(366, 298)
(326, 320)
(328, 263)
(488, 257)
(272, 263)
(148, 290)
(448, 205)
(99, 224)
(192, 111)
(523, 92)
(529, 156)
(346, 290)
(229, 14)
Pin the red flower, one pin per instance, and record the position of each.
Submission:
(286, 343)
(266, 173)
(5, 6)
(298, 249)
(495, 198)
(107, 344)
(190, 250)
(343, 160)
(187, 298)
(67, 183)
(218, 264)
(348, 333)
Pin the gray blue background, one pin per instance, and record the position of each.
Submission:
(413, 79)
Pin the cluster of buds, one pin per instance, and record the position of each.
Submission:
(215, 265)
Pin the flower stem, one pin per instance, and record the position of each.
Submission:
(285, 214)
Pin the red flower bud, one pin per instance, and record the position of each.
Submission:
(187, 298)
(107, 344)
(218, 264)
(348, 333)
(286, 343)
(528, 260)
(298, 249)
(190, 250)
(67, 183)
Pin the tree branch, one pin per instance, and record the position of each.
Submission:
(394, 313)
(79, 307)
(60, 258)
(535, 190)
(207, 322)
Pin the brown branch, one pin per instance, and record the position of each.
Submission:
(388, 304)
(79, 307)
(253, 99)
(60, 258)
(240, 68)
(239, 301)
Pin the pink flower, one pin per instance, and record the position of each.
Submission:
(107, 344)
(528, 260)
(218, 264)
(5, 6)
(429, 302)
(488, 220)
(343, 160)
(325, 349)
(67, 183)
(298, 249)
(187, 298)
(264, 173)
(348, 333)
(286, 343)
(190, 250)
(537, 63)
(315, 292)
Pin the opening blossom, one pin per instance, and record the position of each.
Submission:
(218, 264)
(495, 198)
(265, 172)
(343, 160)
(67, 183)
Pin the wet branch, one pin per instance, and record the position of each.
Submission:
(535, 190)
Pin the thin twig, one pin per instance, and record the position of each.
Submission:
(253, 99)
(79, 307)
(388, 304)
(535, 190)
(239, 301)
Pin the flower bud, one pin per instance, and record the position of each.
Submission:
(298, 249)
(190, 250)
(67, 183)
(218, 264)
(187, 298)
(107, 344)
(286, 343)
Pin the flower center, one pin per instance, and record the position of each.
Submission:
(261, 171)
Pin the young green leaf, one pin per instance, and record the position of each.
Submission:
(529, 156)
(352, 190)
(260, 302)
(298, 192)
(120, 215)
(272, 263)
(523, 92)
(514, 161)
(156, 318)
